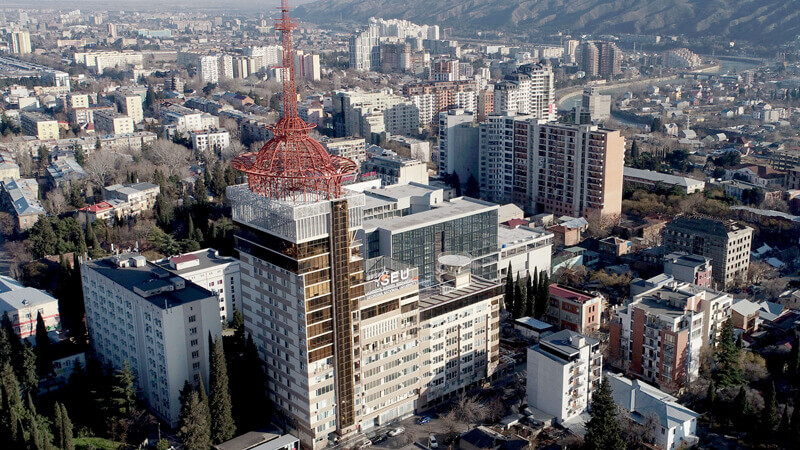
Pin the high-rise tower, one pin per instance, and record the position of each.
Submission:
(302, 270)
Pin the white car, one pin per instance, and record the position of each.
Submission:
(365, 444)
(432, 442)
(397, 431)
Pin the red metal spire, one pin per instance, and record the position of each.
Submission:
(293, 165)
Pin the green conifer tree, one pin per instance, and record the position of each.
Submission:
(194, 429)
(769, 415)
(44, 354)
(508, 299)
(519, 300)
(222, 425)
(728, 371)
(602, 430)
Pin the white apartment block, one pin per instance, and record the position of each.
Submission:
(20, 41)
(39, 125)
(218, 274)
(210, 140)
(564, 369)
(497, 158)
(156, 322)
(352, 109)
(141, 196)
(107, 122)
(364, 49)
(530, 90)
(76, 101)
(208, 69)
(101, 60)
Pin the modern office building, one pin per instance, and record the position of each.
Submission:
(155, 322)
(218, 274)
(39, 125)
(726, 242)
(107, 122)
(458, 145)
(564, 369)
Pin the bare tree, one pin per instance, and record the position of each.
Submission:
(169, 156)
(56, 202)
(235, 149)
(6, 224)
(101, 167)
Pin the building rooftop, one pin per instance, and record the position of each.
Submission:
(148, 277)
(24, 196)
(507, 237)
(184, 263)
(400, 191)
(25, 297)
(571, 294)
(661, 177)
(9, 284)
(645, 401)
(257, 440)
(746, 308)
(454, 209)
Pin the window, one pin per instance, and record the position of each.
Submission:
(195, 354)
(193, 331)
(192, 319)
(196, 366)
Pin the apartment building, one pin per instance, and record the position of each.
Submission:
(20, 42)
(458, 144)
(352, 148)
(156, 322)
(726, 242)
(357, 113)
(564, 369)
(306, 66)
(392, 168)
(459, 332)
(575, 310)
(499, 167)
(23, 305)
(107, 122)
(215, 140)
(101, 60)
(364, 49)
(218, 274)
(659, 334)
(20, 198)
(575, 170)
(694, 269)
(141, 196)
(76, 101)
(39, 125)
(530, 90)
(63, 171)
(130, 104)
(444, 96)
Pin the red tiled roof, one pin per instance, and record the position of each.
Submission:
(183, 258)
(97, 207)
(569, 294)
(514, 223)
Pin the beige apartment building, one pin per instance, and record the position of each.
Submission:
(109, 122)
(39, 125)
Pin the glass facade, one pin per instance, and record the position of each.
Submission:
(475, 235)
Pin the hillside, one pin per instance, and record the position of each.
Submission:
(754, 20)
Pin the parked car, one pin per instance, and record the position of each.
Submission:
(378, 439)
(396, 431)
(365, 444)
(423, 420)
(432, 442)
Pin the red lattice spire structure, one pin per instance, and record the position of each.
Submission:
(293, 165)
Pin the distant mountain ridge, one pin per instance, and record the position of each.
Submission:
(770, 21)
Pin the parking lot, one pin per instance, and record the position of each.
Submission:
(414, 436)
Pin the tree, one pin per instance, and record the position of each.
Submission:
(543, 295)
(473, 188)
(63, 428)
(728, 366)
(25, 368)
(602, 430)
(530, 294)
(56, 202)
(741, 409)
(122, 399)
(769, 415)
(11, 405)
(455, 181)
(193, 429)
(91, 239)
(43, 157)
(44, 356)
(164, 212)
(101, 167)
(43, 238)
(150, 98)
(200, 190)
(222, 425)
(508, 299)
(519, 300)
(172, 157)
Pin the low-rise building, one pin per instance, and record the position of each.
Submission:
(256, 440)
(694, 269)
(564, 369)
(527, 250)
(648, 179)
(108, 122)
(392, 168)
(745, 316)
(154, 321)
(671, 425)
(615, 246)
(571, 309)
(20, 198)
(23, 305)
(210, 140)
(140, 196)
(64, 171)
